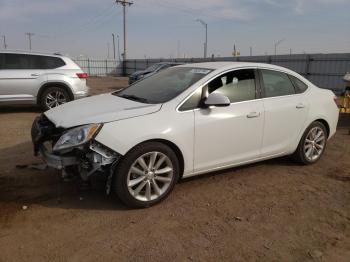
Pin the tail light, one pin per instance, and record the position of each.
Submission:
(337, 101)
(82, 75)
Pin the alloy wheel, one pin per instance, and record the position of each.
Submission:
(150, 176)
(315, 142)
(55, 98)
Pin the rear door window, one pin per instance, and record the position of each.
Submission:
(300, 86)
(45, 62)
(276, 83)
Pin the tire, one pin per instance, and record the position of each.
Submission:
(54, 96)
(312, 145)
(147, 186)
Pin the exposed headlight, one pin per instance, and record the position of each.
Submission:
(76, 137)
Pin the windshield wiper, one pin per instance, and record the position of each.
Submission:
(134, 98)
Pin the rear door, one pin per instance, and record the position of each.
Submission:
(285, 112)
(20, 77)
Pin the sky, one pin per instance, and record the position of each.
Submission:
(168, 28)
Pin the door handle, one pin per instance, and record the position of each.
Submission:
(299, 106)
(34, 75)
(253, 114)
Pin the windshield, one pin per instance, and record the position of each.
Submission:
(163, 86)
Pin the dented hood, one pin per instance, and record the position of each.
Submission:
(98, 109)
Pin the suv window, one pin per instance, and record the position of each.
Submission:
(238, 85)
(24, 61)
(15, 61)
(276, 83)
(300, 86)
(1, 61)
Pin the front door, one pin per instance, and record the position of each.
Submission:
(229, 135)
(19, 81)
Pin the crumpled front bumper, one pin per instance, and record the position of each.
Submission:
(43, 130)
(56, 161)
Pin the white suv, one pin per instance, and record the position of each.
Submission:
(45, 80)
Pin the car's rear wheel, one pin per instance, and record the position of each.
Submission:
(146, 175)
(312, 144)
(53, 97)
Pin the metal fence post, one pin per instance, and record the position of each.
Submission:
(307, 66)
(106, 67)
(135, 67)
(124, 67)
(89, 71)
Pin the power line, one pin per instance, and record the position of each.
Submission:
(124, 3)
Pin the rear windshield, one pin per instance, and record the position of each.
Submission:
(163, 86)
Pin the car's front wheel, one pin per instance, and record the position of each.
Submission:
(146, 175)
(312, 144)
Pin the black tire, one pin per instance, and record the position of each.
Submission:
(120, 186)
(53, 90)
(300, 155)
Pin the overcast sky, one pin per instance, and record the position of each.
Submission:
(162, 28)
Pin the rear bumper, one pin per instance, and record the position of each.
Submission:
(82, 93)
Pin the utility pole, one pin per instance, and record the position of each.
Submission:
(206, 36)
(4, 41)
(30, 39)
(113, 46)
(277, 44)
(124, 3)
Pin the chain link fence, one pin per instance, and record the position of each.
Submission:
(324, 70)
(100, 67)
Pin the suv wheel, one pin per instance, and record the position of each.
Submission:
(146, 175)
(53, 97)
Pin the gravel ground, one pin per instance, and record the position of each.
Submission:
(270, 211)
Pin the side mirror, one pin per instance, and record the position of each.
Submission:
(215, 99)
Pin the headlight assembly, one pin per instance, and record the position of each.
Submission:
(76, 137)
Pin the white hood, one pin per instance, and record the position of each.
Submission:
(98, 109)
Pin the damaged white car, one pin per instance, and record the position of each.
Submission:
(184, 121)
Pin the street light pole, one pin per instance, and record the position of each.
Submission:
(124, 3)
(206, 36)
(118, 48)
(113, 46)
(277, 44)
(30, 39)
(4, 39)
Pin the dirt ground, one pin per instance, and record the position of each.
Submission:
(271, 211)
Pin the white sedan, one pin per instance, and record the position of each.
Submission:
(185, 121)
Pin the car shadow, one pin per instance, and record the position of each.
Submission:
(20, 109)
(23, 184)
